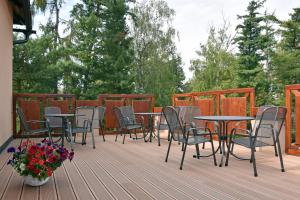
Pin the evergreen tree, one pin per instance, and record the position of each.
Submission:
(286, 60)
(251, 44)
(102, 47)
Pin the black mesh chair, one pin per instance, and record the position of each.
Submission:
(180, 133)
(265, 132)
(99, 114)
(128, 123)
(54, 123)
(27, 131)
(83, 124)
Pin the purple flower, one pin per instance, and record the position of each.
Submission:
(11, 150)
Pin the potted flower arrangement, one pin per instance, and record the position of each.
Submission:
(37, 161)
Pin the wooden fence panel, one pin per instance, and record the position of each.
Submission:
(31, 111)
(142, 106)
(183, 103)
(110, 120)
(207, 108)
(234, 106)
(297, 119)
(87, 103)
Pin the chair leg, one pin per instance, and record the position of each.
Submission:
(253, 161)
(183, 155)
(280, 156)
(93, 139)
(135, 134)
(168, 149)
(229, 150)
(117, 136)
(124, 138)
(275, 149)
(213, 151)
(220, 146)
(102, 133)
(158, 137)
(203, 145)
(197, 151)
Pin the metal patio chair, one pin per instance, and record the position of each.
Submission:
(83, 124)
(99, 114)
(188, 136)
(28, 131)
(54, 123)
(265, 132)
(128, 123)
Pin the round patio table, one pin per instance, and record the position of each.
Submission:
(223, 130)
(151, 119)
(65, 120)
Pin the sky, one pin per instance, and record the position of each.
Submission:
(194, 17)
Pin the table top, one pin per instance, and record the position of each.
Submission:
(224, 118)
(63, 115)
(148, 113)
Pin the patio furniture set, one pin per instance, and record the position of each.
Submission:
(185, 125)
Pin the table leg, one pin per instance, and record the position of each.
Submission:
(223, 137)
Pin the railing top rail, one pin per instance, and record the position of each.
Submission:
(125, 95)
(228, 91)
(38, 95)
(293, 87)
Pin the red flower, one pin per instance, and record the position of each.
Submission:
(49, 171)
(41, 162)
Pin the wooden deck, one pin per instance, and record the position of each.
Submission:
(136, 170)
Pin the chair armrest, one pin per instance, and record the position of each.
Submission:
(36, 121)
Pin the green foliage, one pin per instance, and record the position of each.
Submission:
(286, 59)
(100, 43)
(157, 65)
(255, 41)
(38, 64)
(216, 66)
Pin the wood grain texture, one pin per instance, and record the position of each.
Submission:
(137, 170)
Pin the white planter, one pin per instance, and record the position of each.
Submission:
(29, 180)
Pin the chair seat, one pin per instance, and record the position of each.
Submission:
(41, 130)
(195, 140)
(134, 126)
(244, 141)
(78, 130)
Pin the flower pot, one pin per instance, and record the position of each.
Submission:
(29, 180)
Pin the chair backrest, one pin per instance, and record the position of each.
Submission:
(119, 117)
(187, 114)
(267, 120)
(99, 113)
(174, 123)
(53, 122)
(87, 113)
(23, 122)
(128, 114)
(280, 119)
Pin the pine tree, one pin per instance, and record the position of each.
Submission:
(251, 45)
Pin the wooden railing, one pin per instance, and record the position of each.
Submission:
(33, 106)
(220, 102)
(140, 103)
(216, 102)
(292, 136)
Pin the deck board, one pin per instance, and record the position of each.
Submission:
(137, 170)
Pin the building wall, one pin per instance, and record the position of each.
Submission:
(6, 45)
